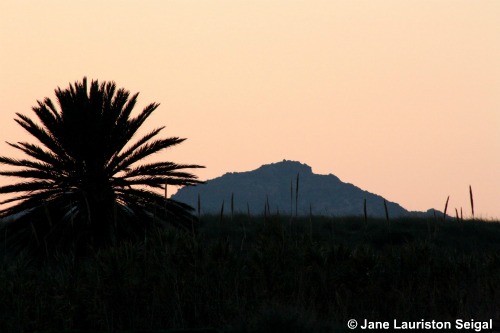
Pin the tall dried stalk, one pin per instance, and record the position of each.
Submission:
(222, 210)
(471, 201)
(310, 222)
(297, 195)
(267, 208)
(232, 206)
(364, 211)
(446, 208)
(310, 212)
(166, 198)
(365, 228)
(386, 211)
(199, 207)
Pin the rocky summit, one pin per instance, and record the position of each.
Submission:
(275, 186)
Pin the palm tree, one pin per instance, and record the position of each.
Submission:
(82, 184)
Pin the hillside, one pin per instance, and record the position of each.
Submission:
(276, 183)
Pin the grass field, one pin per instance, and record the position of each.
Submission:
(263, 274)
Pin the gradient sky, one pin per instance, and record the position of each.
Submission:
(399, 97)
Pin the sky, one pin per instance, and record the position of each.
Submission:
(399, 97)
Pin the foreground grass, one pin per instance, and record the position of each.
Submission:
(263, 275)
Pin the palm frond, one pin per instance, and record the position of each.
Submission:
(25, 163)
(143, 151)
(167, 169)
(83, 184)
(118, 157)
(39, 133)
(40, 154)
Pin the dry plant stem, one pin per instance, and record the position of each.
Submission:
(265, 209)
(166, 196)
(232, 206)
(199, 207)
(446, 208)
(471, 201)
(364, 211)
(267, 206)
(221, 211)
(386, 211)
(297, 195)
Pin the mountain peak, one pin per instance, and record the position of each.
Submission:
(273, 185)
(287, 166)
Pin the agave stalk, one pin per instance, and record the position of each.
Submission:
(446, 208)
(310, 222)
(265, 211)
(456, 213)
(232, 206)
(222, 211)
(199, 206)
(386, 211)
(297, 195)
(471, 201)
(166, 200)
(364, 211)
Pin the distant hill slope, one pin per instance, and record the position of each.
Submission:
(324, 194)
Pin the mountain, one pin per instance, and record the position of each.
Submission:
(276, 183)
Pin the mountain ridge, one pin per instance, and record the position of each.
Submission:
(274, 185)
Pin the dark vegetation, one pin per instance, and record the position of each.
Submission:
(81, 183)
(258, 274)
(90, 243)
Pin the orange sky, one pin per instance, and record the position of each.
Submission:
(399, 97)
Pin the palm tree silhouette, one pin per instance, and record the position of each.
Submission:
(81, 183)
